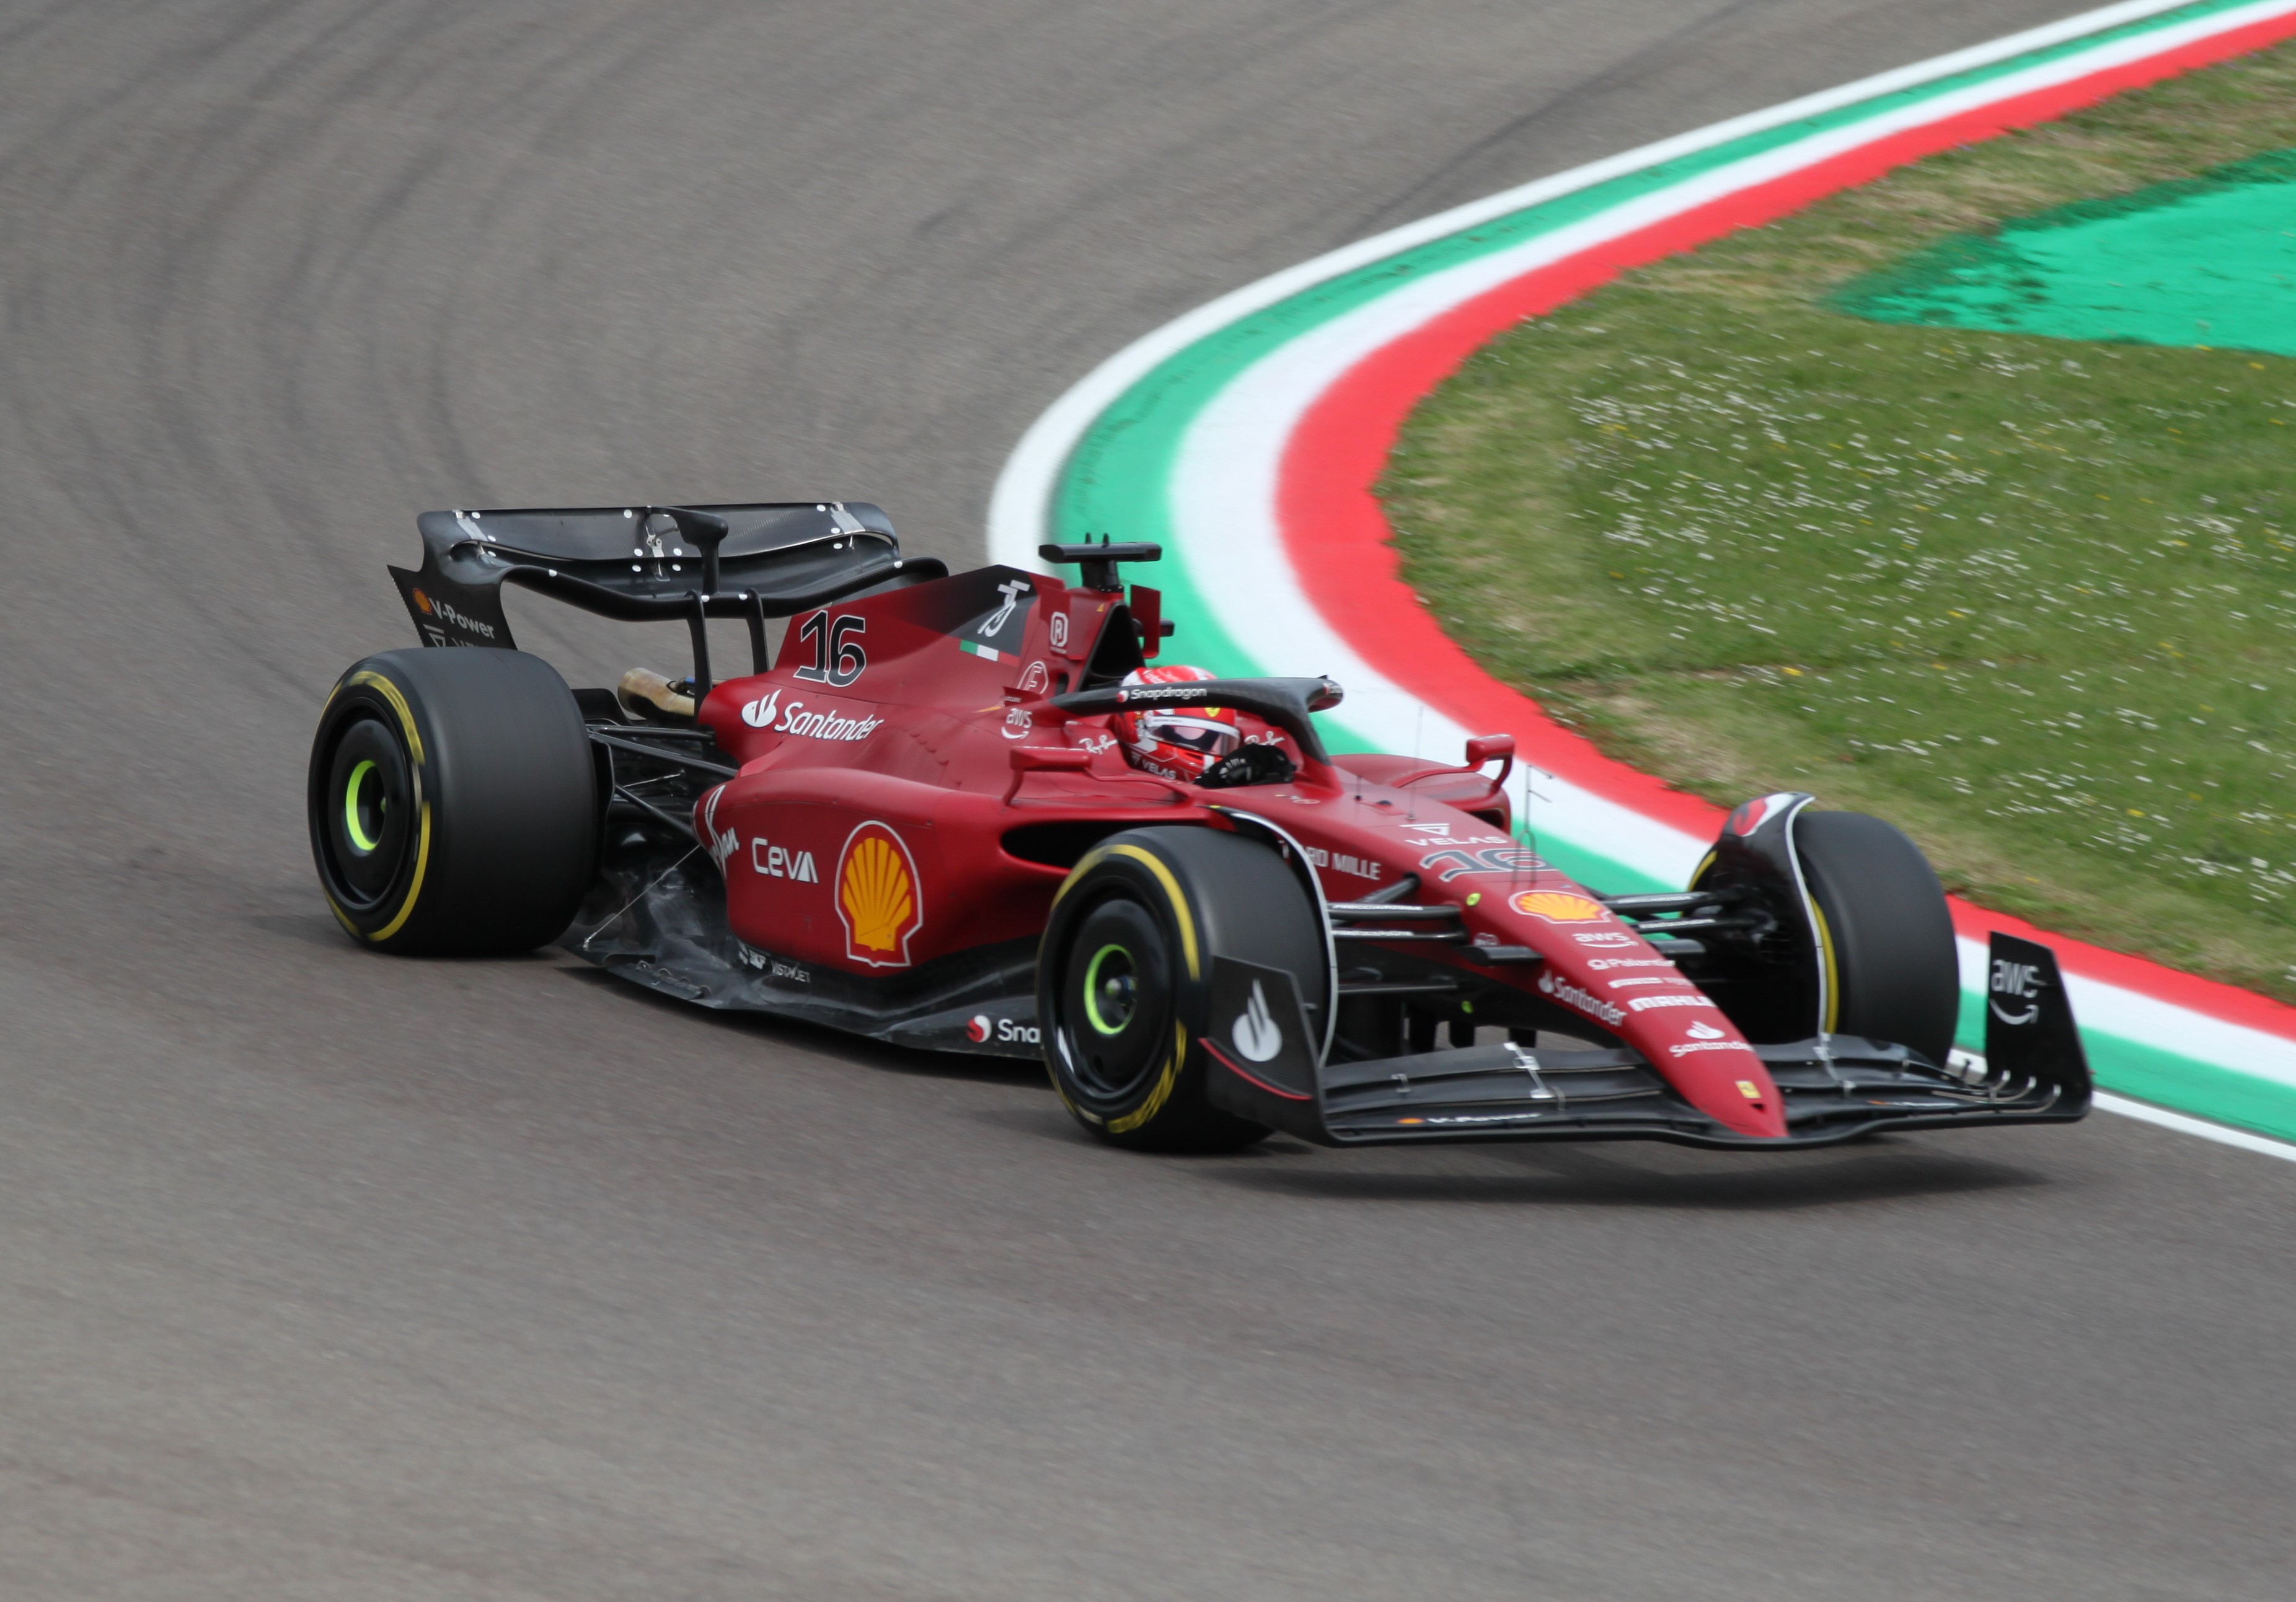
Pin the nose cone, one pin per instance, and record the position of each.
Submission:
(1706, 1060)
(1603, 969)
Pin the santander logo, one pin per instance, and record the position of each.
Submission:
(1704, 1031)
(759, 714)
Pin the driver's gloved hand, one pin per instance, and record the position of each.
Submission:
(1248, 765)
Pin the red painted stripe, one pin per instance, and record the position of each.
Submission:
(1336, 534)
(1236, 1068)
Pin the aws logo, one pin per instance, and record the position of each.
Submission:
(878, 897)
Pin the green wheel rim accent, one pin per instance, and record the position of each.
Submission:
(361, 841)
(1092, 991)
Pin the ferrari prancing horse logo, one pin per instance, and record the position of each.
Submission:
(877, 897)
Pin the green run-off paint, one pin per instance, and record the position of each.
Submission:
(2206, 261)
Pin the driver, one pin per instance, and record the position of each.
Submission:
(1178, 742)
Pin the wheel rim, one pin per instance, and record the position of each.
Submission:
(364, 808)
(366, 812)
(1111, 988)
(1116, 1002)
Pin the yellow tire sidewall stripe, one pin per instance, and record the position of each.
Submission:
(1191, 950)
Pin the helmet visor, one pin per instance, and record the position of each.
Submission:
(1194, 734)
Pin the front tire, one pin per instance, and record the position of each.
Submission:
(1124, 978)
(1887, 933)
(453, 803)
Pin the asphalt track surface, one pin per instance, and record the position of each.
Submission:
(328, 1276)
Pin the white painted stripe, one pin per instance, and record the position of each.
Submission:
(2224, 1134)
(1020, 503)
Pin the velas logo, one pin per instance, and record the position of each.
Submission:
(977, 1031)
(1556, 906)
(877, 897)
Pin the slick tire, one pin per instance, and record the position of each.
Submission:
(1124, 978)
(1888, 934)
(453, 805)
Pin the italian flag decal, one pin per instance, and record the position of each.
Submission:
(1247, 436)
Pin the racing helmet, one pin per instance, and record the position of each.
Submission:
(1178, 742)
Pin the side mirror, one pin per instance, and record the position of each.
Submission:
(1037, 759)
(1485, 747)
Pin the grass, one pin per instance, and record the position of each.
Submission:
(2029, 599)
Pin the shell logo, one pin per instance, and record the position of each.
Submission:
(421, 600)
(877, 897)
(1557, 906)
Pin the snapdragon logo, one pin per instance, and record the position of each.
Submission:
(982, 1028)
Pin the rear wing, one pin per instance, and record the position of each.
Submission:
(641, 563)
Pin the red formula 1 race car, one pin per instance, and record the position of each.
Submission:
(964, 812)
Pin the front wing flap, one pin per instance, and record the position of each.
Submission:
(1835, 1087)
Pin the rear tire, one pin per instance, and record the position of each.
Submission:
(1124, 978)
(453, 802)
(1896, 974)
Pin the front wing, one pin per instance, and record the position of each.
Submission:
(1835, 1087)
